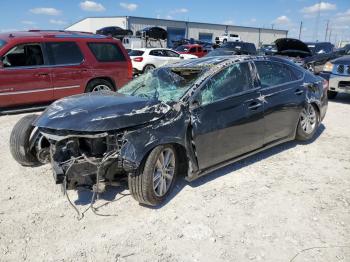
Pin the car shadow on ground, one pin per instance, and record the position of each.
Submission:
(111, 194)
(181, 182)
(341, 98)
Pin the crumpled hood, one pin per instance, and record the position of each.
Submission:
(99, 112)
(284, 44)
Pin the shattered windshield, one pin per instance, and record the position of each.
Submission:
(2, 43)
(164, 84)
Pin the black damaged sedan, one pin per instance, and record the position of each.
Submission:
(189, 118)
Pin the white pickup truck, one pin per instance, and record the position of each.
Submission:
(227, 38)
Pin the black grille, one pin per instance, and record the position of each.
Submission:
(340, 69)
(344, 84)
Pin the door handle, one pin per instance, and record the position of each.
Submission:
(42, 74)
(254, 105)
(298, 92)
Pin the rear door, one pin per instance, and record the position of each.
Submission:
(25, 76)
(67, 68)
(283, 95)
(227, 118)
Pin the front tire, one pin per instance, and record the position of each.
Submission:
(155, 180)
(331, 94)
(19, 142)
(308, 123)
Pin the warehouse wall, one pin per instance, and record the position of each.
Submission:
(192, 29)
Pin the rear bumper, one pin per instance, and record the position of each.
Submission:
(337, 83)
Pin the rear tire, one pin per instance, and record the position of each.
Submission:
(146, 186)
(331, 94)
(99, 85)
(308, 123)
(19, 142)
(148, 68)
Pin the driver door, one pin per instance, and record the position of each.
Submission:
(227, 117)
(24, 78)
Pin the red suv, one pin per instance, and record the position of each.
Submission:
(42, 66)
(194, 49)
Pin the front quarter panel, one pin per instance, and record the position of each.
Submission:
(138, 143)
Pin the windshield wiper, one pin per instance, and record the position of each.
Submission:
(133, 93)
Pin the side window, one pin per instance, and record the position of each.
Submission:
(64, 53)
(231, 80)
(299, 74)
(192, 50)
(107, 52)
(157, 53)
(272, 73)
(24, 55)
(171, 53)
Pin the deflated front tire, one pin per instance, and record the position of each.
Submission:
(20, 144)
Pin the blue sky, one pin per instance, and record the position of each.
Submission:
(284, 14)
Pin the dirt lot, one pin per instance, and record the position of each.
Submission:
(269, 207)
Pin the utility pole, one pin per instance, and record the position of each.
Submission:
(317, 21)
(300, 29)
(325, 37)
(330, 34)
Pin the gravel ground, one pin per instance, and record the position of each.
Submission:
(292, 200)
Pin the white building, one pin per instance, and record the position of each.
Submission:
(181, 29)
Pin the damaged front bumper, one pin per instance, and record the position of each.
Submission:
(84, 160)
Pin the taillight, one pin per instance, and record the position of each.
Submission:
(325, 84)
(138, 59)
(130, 72)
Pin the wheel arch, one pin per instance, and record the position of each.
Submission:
(106, 78)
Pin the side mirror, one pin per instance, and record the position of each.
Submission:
(181, 57)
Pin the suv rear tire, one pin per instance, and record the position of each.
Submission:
(19, 142)
(99, 85)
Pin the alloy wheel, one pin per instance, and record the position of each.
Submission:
(164, 171)
(308, 119)
(101, 88)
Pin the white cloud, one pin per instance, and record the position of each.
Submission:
(92, 6)
(27, 22)
(282, 20)
(228, 22)
(343, 17)
(45, 11)
(129, 6)
(57, 22)
(323, 6)
(180, 11)
(169, 17)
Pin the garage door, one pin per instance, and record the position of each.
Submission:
(175, 34)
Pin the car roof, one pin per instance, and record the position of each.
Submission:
(49, 34)
(151, 48)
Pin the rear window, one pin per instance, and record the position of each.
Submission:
(106, 52)
(136, 53)
(64, 53)
(2, 43)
